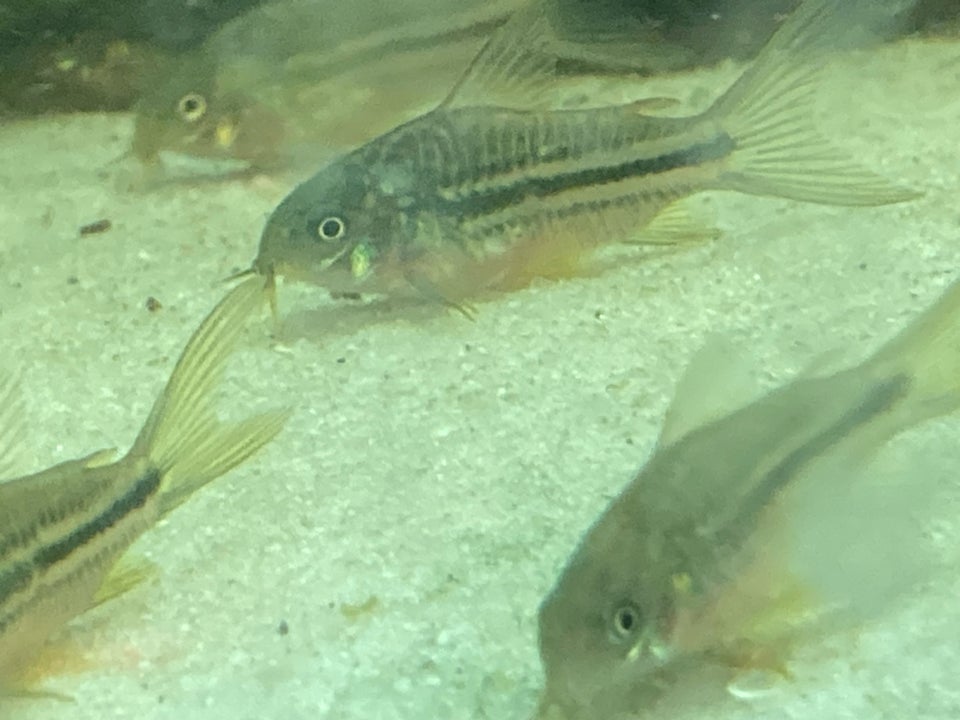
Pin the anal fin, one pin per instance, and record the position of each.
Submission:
(126, 574)
(674, 226)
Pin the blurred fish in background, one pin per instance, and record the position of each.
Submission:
(298, 77)
(756, 523)
(94, 55)
(99, 55)
(89, 72)
(304, 79)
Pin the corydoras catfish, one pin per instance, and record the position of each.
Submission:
(299, 77)
(62, 530)
(751, 528)
(296, 82)
(477, 194)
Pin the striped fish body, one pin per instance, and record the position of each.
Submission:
(63, 530)
(457, 200)
(475, 195)
(55, 561)
(289, 78)
(751, 526)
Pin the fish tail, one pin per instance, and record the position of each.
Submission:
(11, 425)
(183, 438)
(767, 113)
(927, 352)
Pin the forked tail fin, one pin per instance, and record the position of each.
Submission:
(927, 351)
(768, 114)
(182, 437)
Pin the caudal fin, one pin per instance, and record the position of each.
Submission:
(183, 438)
(768, 114)
(11, 425)
(928, 352)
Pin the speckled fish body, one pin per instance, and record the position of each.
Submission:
(692, 559)
(300, 80)
(477, 195)
(62, 530)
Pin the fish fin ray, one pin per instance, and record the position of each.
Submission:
(182, 438)
(12, 427)
(214, 451)
(928, 352)
(126, 574)
(767, 114)
(516, 67)
(431, 290)
(522, 61)
(715, 383)
(98, 458)
(674, 226)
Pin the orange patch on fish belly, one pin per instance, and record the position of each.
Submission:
(452, 275)
(752, 620)
(85, 649)
(61, 657)
(553, 256)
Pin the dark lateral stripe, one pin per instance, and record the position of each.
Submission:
(482, 203)
(880, 399)
(17, 577)
(133, 499)
(13, 580)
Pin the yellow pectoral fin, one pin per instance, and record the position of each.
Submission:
(126, 574)
(434, 293)
(99, 458)
(674, 226)
(11, 425)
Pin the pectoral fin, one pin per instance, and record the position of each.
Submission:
(674, 226)
(126, 574)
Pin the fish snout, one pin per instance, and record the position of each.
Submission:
(274, 242)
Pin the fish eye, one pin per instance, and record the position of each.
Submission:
(192, 107)
(625, 622)
(331, 228)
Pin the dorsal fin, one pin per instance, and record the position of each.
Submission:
(517, 65)
(716, 383)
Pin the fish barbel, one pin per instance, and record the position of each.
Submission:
(477, 195)
(726, 546)
(62, 530)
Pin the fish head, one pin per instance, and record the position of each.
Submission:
(188, 113)
(604, 629)
(342, 230)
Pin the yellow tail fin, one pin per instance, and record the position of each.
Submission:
(768, 113)
(182, 437)
(928, 352)
(11, 425)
